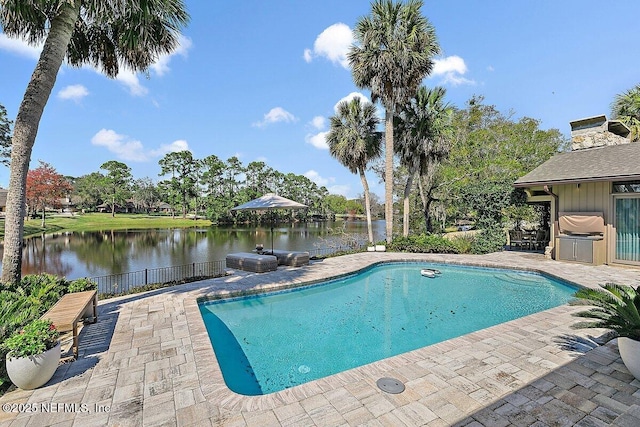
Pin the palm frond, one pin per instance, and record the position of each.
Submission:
(616, 308)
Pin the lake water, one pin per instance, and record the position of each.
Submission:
(99, 253)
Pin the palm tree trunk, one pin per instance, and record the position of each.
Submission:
(25, 130)
(425, 211)
(406, 207)
(367, 203)
(427, 199)
(388, 174)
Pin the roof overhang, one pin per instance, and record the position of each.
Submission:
(577, 181)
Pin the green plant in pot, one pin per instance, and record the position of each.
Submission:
(33, 354)
(617, 308)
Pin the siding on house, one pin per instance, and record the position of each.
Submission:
(582, 179)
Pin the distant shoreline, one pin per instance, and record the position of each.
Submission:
(103, 221)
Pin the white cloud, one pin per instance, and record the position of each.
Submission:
(307, 55)
(178, 145)
(133, 150)
(19, 47)
(333, 43)
(73, 92)
(451, 69)
(315, 177)
(131, 81)
(318, 140)
(275, 115)
(123, 147)
(490, 68)
(343, 190)
(318, 122)
(161, 66)
(349, 97)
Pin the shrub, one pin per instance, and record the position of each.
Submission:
(489, 240)
(23, 303)
(43, 290)
(36, 337)
(83, 284)
(463, 243)
(616, 307)
(423, 243)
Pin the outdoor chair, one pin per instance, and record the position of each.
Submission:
(515, 239)
(541, 239)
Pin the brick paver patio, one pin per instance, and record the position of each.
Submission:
(149, 362)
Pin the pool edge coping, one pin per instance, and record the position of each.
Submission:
(227, 399)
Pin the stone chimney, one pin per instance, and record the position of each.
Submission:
(597, 132)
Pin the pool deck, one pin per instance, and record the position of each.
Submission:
(149, 362)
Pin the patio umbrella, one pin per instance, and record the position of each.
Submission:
(269, 202)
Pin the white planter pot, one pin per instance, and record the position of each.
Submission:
(630, 353)
(380, 248)
(371, 248)
(33, 371)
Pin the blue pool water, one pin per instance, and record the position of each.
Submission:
(274, 341)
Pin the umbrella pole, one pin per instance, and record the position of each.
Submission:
(272, 240)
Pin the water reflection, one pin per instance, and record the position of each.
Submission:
(100, 253)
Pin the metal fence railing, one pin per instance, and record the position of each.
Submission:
(320, 252)
(125, 282)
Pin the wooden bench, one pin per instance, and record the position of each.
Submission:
(72, 308)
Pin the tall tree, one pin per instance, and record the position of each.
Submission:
(45, 187)
(424, 134)
(491, 150)
(183, 168)
(626, 108)
(354, 141)
(117, 183)
(5, 137)
(103, 33)
(232, 182)
(393, 52)
(89, 188)
(145, 193)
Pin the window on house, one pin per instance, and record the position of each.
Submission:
(626, 187)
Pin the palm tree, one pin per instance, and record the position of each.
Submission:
(354, 141)
(391, 56)
(106, 34)
(626, 108)
(423, 128)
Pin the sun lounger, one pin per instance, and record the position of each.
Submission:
(72, 308)
(256, 263)
(291, 258)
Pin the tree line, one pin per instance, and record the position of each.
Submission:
(207, 187)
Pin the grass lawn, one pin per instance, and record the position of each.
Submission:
(104, 221)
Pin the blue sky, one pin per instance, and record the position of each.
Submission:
(259, 80)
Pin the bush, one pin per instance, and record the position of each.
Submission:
(423, 243)
(81, 285)
(463, 243)
(37, 337)
(25, 302)
(489, 240)
(43, 290)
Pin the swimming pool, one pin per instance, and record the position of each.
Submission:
(270, 342)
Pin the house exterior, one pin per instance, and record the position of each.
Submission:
(594, 194)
